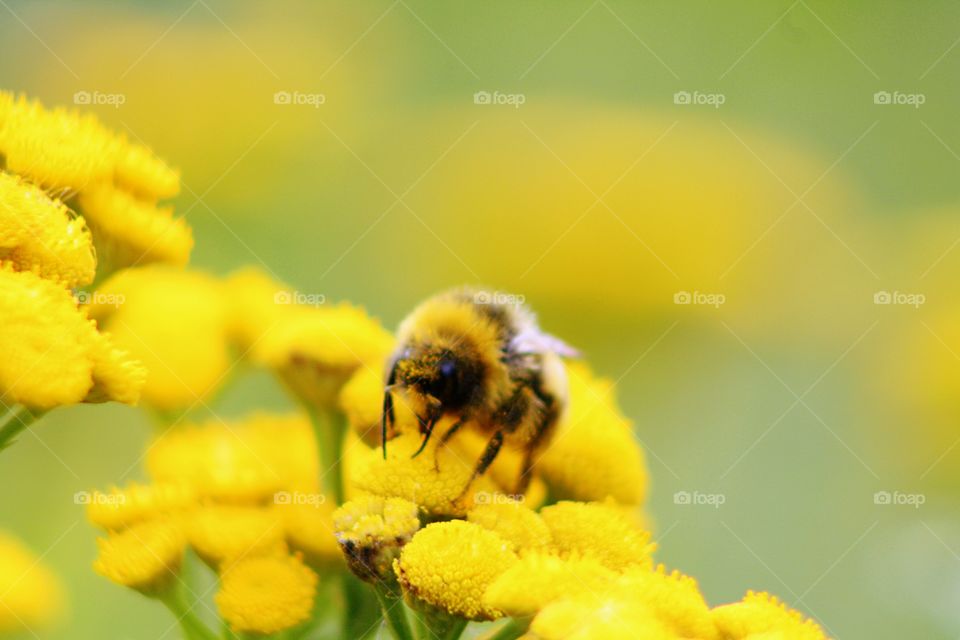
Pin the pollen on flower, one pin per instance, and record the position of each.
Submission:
(600, 531)
(120, 508)
(594, 454)
(371, 531)
(173, 321)
(520, 526)
(539, 579)
(760, 614)
(220, 533)
(129, 231)
(31, 595)
(145, 556)
(266, 594)
(117, 375)
(39, 234)
(240, 461)
(449, 565)
(587, 616)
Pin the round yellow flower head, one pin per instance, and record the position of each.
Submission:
(38, 233)
(120, 508)
(309, 528)
(600, 531)
(437, 489)
(245, 461)
(128, 231)
(761, 613)
(539, 579)
(53, 354)
(315, 350)
(371, 531)
(266, 594)
(220, 533)
(594, 454)
(588, 617)
(174, 321)
(673, 597)
(31, 595)
(56, 148)
(257, 303)
(136, 169)
(449, 565)
(522, 527)
(361, 400)
(145, 556)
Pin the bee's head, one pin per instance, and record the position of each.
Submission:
(438, 372)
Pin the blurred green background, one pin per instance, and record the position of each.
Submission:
(799, 199)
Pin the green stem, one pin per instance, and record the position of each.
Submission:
(394, 612)
(20, 419)
(361, 612)
(439, 624)
(330, 428)
(193, 628)
(513, 629)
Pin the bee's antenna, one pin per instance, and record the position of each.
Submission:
(387, 415)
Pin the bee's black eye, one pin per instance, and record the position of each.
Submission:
(444, 386)
(447, 369)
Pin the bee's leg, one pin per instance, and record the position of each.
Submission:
(545, 424)
(489, 455)
(387, 417)
(426, 427)
(443, 440)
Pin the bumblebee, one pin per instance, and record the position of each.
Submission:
(480, 357)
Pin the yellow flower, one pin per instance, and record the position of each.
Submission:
(121, 508)
(514, 522)
(587, 617)
(174, 321)
(449, 565)
(598, 530)
(257, 303)
(371, 531)
(594, 454)
(673, 597)
(56, 148)
(316, 349)
(539, 579)
(129, 231)
(309, 529)
(266, 594)
(31, 595)
(145, 556)
(437, 490)
(53, 354)
(38, 233)
(220, 533)
(136, 169)
(361, 400)
(759, 614)
(246, 460)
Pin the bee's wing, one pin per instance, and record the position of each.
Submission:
(532, 340)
